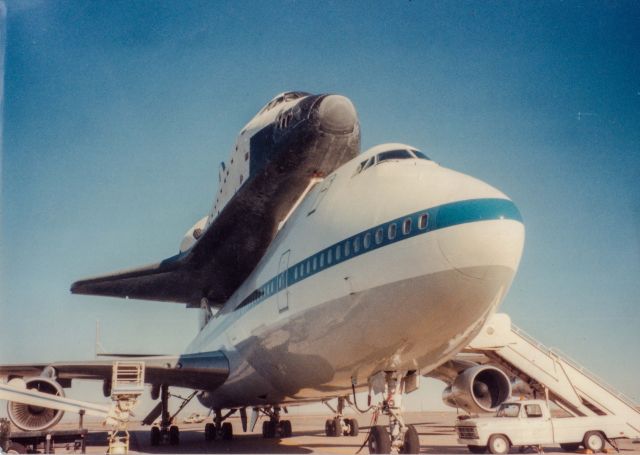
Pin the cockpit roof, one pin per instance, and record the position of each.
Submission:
(283, 97)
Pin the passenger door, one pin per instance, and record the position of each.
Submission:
(283, 282)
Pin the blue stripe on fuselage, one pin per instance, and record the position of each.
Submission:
(439, 217)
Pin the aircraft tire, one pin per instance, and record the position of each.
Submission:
(154, 437)
(354, 428)
(174, 435)
(379, 440)
(287, 429)
(227, 431)
(209, 432)
(269, 428)
(327, 427)
(337, 427)
(411, 442)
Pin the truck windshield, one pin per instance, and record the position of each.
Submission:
(509, 410)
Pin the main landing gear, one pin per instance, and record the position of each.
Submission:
(166, 432)
(275, 427)
(338, 425)
(399, 436)
(219, 429)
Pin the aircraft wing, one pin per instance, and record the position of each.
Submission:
(202, 371)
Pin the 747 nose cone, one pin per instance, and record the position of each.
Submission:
(486, 237)
(336, 114)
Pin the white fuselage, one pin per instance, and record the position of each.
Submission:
(310, 319)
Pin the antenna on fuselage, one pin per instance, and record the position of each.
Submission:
(99, 349)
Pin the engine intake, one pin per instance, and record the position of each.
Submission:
(35, 418)
(479, 389)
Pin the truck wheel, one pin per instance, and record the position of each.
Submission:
(15, 447)
(498, 443)
(477, 449)
(593, 441)
(570, 446)
(379, 440)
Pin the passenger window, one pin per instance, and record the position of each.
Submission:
(533, 410)
(406, 226)
(338, 253)
(321, 260)
(423, 221)
(379, 236)
(367, 240)
(369, 162)
(391, 233)
(295, 273)
(329, 254)
(315, 263)
(308, 267)
(356, 244)
(347, 249)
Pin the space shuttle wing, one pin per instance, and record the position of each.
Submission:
(203, 371)
(170, 280)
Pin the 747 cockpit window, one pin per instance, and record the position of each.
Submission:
(401, 154)
(394, 155)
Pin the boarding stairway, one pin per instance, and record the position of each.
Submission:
(566, 383)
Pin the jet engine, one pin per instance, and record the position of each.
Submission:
(36, 418)
(479, 389)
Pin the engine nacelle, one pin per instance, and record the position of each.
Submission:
(36, 418)
(479, 389)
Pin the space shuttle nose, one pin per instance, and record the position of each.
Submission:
(336, 114)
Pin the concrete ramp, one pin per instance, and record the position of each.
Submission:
(568, 384)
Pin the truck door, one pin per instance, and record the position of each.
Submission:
(283, 282)
(537, 429)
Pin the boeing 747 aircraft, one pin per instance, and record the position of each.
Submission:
(318, 272)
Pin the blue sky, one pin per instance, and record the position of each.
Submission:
(116, 115)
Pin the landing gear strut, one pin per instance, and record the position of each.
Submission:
(219, 429)
(399, 436)
(339, 426)
(275, 427)
(166, 432)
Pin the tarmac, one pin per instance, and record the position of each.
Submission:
(437, 435)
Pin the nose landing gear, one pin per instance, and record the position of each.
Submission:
(399, 436)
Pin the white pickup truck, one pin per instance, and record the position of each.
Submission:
(529, 423)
